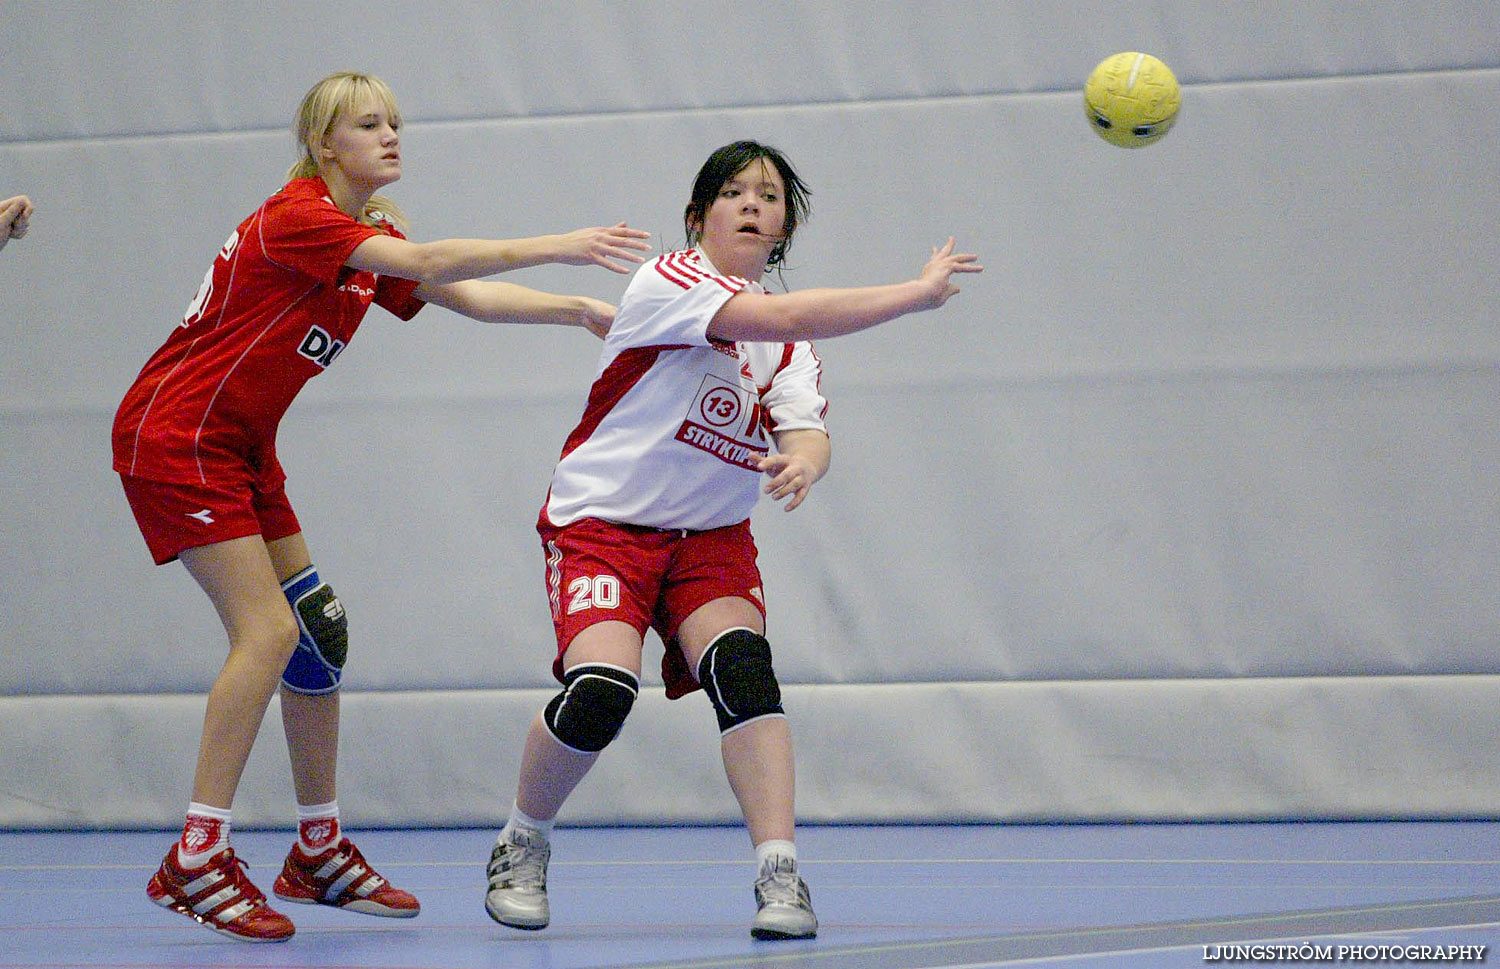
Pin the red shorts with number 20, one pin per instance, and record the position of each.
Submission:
(650, 578)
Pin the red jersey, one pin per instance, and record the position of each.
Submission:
(275, 309)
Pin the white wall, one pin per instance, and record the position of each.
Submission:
(1189, 507)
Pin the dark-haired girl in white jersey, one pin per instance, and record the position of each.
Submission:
(646, 524)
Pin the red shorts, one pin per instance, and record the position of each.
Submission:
(174, 517)
(648, 577)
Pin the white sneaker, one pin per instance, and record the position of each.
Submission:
(517, 896)
(784, 901)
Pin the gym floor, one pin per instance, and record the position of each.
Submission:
(888, 897)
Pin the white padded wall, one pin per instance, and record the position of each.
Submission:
(1186, 508)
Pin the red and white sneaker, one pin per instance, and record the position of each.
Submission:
(342, 878)
(219, 896)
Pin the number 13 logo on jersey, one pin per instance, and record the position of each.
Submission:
(725, 421)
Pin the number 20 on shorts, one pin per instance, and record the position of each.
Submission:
(593, 592)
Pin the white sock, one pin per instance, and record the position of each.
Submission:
(205, 833)
(772, 848)
(318, 827)
(520, 819)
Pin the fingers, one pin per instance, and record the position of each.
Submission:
(606, 258)
(946, 261)
(619, 242)
(16, 209)
(13, 212)
(941, 267)
(957, 259)
(790, 480)
(626, 232)
(795, 487)
(13, 218)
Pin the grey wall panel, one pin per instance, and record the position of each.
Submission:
(1197, 526)
(1324, 246)
(1253, 749)
(183, 67)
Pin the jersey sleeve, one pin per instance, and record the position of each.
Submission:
(395, 293)
(670, 302)
(794, 401)
(307, 233)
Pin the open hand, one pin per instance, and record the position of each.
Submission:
(607, 246)
(792, 477)
(939, 271)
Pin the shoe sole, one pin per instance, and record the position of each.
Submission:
(524, 925)
(244, 938)
(227, 933)
(776, 935)
(363, 906)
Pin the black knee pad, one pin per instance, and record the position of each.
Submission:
(592, 707)
(736, 673)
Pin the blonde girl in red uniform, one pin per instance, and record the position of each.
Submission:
(194, 443)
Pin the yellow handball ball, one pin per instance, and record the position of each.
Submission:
(1131, 99)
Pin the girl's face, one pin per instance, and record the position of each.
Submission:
(364, 145)
(746, 220)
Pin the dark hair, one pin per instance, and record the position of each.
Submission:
(727, 162)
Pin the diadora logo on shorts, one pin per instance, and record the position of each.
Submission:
(204, 515)
(320, 347)
(356, 289)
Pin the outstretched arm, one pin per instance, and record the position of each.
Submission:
(801, 459)
(450, 260)
(15, 218)
(496, 302)
(820, 313)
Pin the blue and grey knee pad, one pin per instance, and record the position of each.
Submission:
(735, 671)
(317, 665)
(592, 707)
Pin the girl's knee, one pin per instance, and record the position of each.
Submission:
(271, 639)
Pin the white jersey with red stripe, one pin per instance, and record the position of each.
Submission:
(676, 422)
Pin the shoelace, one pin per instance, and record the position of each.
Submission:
(345, 867)
(524, 866)
(780, 887)
(240, 881)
